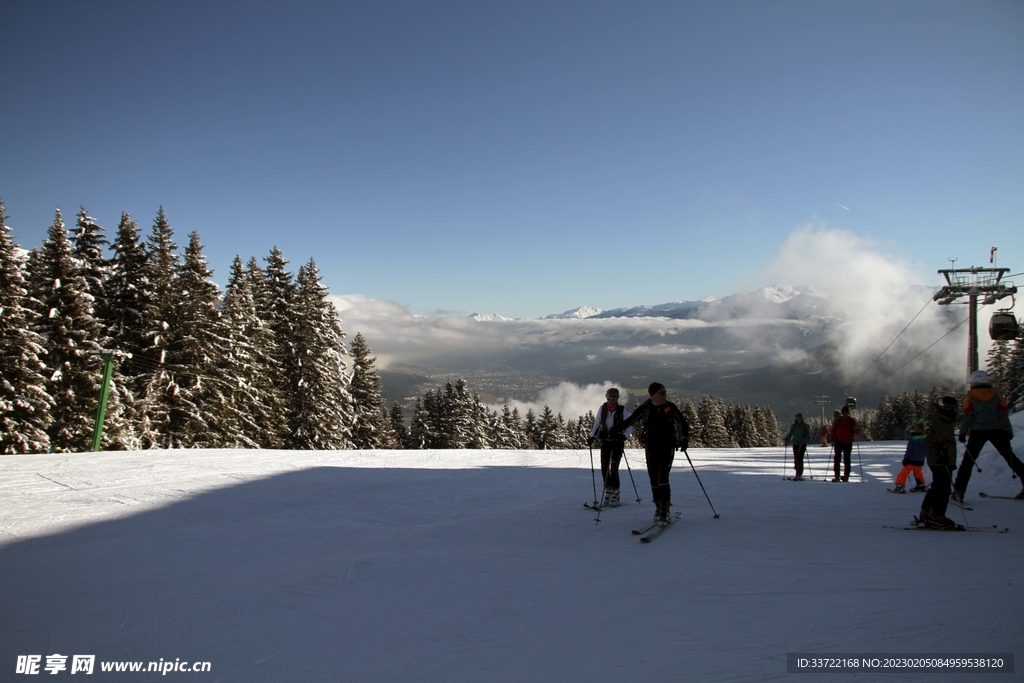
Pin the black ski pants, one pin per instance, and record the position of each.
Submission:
(799, 450)
(611, 455)
(937, 499)
(1000, 439)
(659, 464)
(842, 450)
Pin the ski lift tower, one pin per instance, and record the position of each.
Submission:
(822, 401)
(973, 282)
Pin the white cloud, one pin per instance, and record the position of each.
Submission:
(569, 399)
(875, 293)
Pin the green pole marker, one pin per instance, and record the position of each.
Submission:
(101, 410)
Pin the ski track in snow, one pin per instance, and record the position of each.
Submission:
(483, 566)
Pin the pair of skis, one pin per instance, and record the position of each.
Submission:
(649, 532)
(917, 525)
(655, 529)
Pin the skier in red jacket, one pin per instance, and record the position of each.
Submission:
(844, 431)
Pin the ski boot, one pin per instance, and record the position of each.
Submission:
(611, 498)
(919, 488)
(899, 489)
(956, 498)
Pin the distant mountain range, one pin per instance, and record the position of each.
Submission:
(774, 302)
(779, 345)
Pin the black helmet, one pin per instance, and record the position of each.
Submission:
(946, 403)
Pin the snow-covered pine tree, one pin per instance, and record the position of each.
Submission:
(371, 426)
(122, 312)
(161, 315)
(549, 430)
(531, 431)
(749, 433)
(275, 294)
(71, 335)
(128, 294)
(398, 425)
(462, 421)
(443, 419)
(713, 433)
(516, 426)
(998, 363)
(500, 433)
(1015, 374)
(24, 404)
(322, 412)
(248, 370)
(89, 245)
(197, 395)
(886, 426)
(690, 413)
(420, 429)
(481, 418)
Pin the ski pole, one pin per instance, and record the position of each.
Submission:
(630, 475)
(593, 477)
(807, 461)
(785, 455)
(699, 482)
(600, 508)
(974, 461)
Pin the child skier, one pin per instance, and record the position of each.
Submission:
(940, 448)
(913, 459)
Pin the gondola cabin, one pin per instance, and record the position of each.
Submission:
(1003, 326)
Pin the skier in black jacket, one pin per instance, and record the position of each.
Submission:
(665, 430)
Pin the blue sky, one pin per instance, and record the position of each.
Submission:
(523, 158)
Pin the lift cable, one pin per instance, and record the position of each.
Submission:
(894, 341)
(879, 383)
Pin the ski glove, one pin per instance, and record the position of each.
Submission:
(686, 443)
(591, 440)
(963, 437)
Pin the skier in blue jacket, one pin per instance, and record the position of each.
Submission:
(799, 434)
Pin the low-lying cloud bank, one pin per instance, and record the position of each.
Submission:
(868, 296)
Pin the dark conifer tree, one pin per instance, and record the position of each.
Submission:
(322, 414)
(420, 430)
(1015, 374)
(713, 433)
(24, 404)
(531, 431)
(371, 427)
(549, 430)
(398, 426)
(89, 251)
(198, 410)
(71, 335)
(128, 295)
(156, 381)
(249, 367)
(690, 413)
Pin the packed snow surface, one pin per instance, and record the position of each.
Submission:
(474, 566)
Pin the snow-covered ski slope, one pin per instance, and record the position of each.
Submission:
(471, 566)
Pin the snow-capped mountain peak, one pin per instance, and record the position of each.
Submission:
(576, 313)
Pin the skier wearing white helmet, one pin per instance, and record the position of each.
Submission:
(986, 419)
